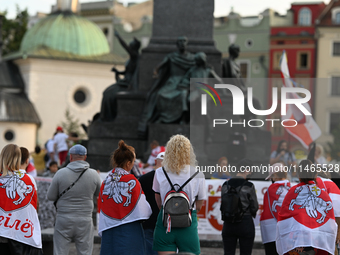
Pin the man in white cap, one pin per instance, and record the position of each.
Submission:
(72, 190)
(146, 181)
(272, 202)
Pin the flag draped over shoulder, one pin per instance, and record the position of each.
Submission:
(306, 131)
(121, 200)
(272, 202)
(306, 219)
(333, 191)
(18, 210)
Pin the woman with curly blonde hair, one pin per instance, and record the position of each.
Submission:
(179, 163)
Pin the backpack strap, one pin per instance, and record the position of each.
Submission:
(167, 177)
(180, 188)
(191, 177)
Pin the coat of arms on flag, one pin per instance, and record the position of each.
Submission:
(306, 219)
(18, 209)
(121, 200)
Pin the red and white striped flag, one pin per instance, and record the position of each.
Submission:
(121, 200)
(333, 191)
(272, 202)
(306, 131)
(18, 210)
(306, 219)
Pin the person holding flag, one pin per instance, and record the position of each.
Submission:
(306, 222)
(272, 202)
(20, 231)
(123, 206)
(306, 130)
(324, 182)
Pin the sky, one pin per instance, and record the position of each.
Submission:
(222, 7)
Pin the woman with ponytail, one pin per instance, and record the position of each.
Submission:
(123, 207)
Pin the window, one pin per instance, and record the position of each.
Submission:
(303, 59)
(249, 43)
(305, 17)
(79, 96)
(337, 18)
(280, 42)
(244, 70)
(335, 86)
(336, 15)
(9, 135)
(276, 59)
(336, 48)
(334, 121)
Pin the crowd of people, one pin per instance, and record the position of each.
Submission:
(157, 211)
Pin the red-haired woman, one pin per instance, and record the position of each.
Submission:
(122, 207)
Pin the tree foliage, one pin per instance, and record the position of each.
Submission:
(71, 124)
(14, 30)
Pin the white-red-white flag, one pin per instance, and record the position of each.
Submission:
(306, 130)
(333, 191)
(18, 210)
(121, 200)
(272, 202)
(306, 219)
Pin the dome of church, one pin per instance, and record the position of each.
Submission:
(66, 32)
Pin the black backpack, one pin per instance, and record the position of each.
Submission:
(231, 205)
(177, 207)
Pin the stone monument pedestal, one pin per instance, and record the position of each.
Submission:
(104, 136)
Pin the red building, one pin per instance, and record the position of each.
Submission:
(296, 37)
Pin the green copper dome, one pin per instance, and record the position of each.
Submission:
(66, 32)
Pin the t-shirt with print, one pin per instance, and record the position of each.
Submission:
(60, 140)
(195, 189)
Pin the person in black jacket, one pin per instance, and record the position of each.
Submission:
(146, 181)
(243, 230)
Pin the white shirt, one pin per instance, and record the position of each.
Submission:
(154, 153)
(195, 189)
(50, 149)
(50, 146)
(60, 140)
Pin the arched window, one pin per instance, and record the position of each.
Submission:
(305, 17)
(337, 18)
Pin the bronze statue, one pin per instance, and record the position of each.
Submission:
(165, 99)
(108, 110)
(231, 70)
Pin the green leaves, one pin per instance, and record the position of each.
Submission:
(14, 30)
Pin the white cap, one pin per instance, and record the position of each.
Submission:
(277, 167)
(160, 155)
